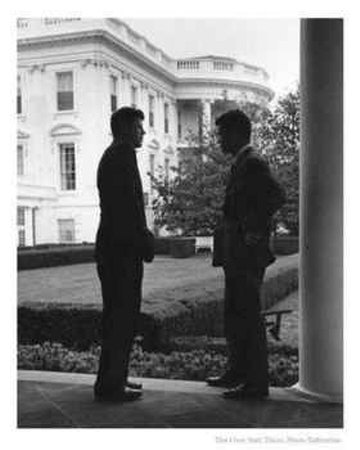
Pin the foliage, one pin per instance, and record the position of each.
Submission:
(189, 202)
(186, 365)
(280, 136)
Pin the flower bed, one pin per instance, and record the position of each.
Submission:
(195, 364)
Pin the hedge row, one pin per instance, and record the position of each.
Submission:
(76, 328)
(285, 245)
(187, 365)
(79, 327)
(203, 315)
(47, 255)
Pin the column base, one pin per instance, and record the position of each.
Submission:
(315, 396)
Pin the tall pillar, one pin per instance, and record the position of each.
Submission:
(321, 209)
(205, 126)
(33, 223)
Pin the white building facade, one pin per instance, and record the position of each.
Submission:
(72, 74)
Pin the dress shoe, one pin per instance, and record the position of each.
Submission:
(132, 385)
(124, 395)
(228, 380)
(246, 393)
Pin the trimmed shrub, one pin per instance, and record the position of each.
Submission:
(204, 315)
(197, 314)
(51, 255)
(75, 328)
(183, 247)
(196, 364)
(60, 255)
(285, 245)
(162, 245)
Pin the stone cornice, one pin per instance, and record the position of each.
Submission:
(96, 35)
(109, 40)
(208, 82)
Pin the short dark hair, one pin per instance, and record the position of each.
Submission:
(123, 118)
(235, 119)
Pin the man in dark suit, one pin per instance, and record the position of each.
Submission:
(252, 197)
(123, 242)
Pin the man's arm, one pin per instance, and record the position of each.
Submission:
(262, 197)
(126, 216)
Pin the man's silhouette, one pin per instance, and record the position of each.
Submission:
(123, 242)
(252, 197)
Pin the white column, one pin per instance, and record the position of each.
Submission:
(29, 238)
(321, 209)
(126, 86)
(206, 116)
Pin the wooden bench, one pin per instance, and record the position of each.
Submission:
(274, 325)
(204, 243)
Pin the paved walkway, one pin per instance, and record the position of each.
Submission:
(65, 400)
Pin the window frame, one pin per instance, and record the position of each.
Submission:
(21, 226)
(58, 92)
(60, 146)
(114, 89)
(62, 232)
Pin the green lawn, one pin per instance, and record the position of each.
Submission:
(178, 292)
(79, 284)
(166, 279)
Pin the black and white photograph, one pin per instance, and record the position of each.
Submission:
(179, 198)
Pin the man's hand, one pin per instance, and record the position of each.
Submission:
(148, 258)
(252, 239)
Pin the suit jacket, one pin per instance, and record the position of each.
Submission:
(252, 197)
(122, 229)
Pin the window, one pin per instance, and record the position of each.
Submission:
(65, 91)
(166, 118)
(113, 92)
(20, 160)
(134, 94)
(151, 111)
(21, 226)
(20, 215)
(67, 167)
(66, 231)
(19, 96)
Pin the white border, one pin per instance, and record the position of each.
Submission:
(174, 439)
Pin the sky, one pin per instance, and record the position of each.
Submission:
(270, 43)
